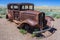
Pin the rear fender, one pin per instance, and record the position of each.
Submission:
(9, 16)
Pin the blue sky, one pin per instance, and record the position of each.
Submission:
(36, 2)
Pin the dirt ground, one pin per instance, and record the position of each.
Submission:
(9, 31)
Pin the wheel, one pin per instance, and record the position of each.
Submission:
(10, 20)
(6, 16)
(25, 26)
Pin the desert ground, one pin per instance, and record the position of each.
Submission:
(9, 31)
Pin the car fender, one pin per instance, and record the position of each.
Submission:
(9, 16)
(50, 21)
(31, 22)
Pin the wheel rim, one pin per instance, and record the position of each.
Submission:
(26, 27)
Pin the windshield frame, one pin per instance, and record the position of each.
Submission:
(26, 7)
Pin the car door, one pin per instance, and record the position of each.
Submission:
(16, 12)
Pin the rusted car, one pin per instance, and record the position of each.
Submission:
(25, 15)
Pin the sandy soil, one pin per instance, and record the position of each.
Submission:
(9, 31)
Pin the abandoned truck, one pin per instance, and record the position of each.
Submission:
(25, 15)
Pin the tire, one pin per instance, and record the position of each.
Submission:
(10, 20)
(25, 26)
(6, 16)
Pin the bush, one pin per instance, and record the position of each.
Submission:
(23, 31)
(33, 35)
(3, 11)
(56, 16)
(0, 16)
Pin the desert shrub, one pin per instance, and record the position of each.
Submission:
(57, 16)
(3, 11)
(23, 31)
(54, 15)
(33, 35)
(0, 16)
(0, 9)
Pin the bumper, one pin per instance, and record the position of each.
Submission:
(50, 29)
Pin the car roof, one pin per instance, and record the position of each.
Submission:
(20, 4)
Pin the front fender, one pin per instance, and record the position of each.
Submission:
(50, 21)
(31, 22)
(49, 18)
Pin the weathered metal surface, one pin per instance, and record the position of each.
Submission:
(28, 16)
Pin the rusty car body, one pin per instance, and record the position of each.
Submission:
(25, 15)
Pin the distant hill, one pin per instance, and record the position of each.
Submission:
(3, 6)
(40, 7)
(47, 7)
(51, 11)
